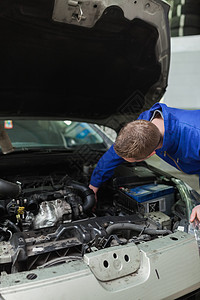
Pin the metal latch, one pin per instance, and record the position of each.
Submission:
(78, 13)
(83, 13)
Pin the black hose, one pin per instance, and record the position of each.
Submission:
(9, 189)
(86, 193)
(11, 225)
(134, 227)
(33, 203)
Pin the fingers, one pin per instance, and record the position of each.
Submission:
(95, 190)
(195, 214)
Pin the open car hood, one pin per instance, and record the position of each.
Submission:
(103, 61)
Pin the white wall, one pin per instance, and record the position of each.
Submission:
(183, 89)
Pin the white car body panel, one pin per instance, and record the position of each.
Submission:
(169, 268)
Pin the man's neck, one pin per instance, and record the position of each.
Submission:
(159, 122)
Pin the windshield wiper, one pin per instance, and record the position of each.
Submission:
(37, 150)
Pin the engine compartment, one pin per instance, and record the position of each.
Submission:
(47, 218)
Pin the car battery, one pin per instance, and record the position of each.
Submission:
(153, 197)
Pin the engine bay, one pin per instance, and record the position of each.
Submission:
(52, 218)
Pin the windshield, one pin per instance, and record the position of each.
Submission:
(51, 134)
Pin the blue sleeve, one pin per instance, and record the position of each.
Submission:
(105, 167)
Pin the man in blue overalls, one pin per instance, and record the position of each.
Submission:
(173, 134)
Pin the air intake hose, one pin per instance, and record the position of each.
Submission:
(86, 193)
(9, 189)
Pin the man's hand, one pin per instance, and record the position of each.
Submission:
(195, 214)
(95, 190)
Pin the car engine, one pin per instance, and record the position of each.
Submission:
(49, 219)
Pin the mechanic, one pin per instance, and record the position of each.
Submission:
(173, 134)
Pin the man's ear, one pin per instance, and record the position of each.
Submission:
(154, 152)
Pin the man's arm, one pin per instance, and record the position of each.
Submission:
(105, 168)
(110, 160)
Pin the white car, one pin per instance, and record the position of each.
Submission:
(66, 68)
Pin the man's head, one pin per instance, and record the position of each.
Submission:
(137, 140)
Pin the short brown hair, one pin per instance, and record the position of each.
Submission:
(137, 139)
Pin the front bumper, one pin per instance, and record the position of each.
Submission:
(169, 268)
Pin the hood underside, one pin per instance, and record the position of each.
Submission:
(114, 66)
